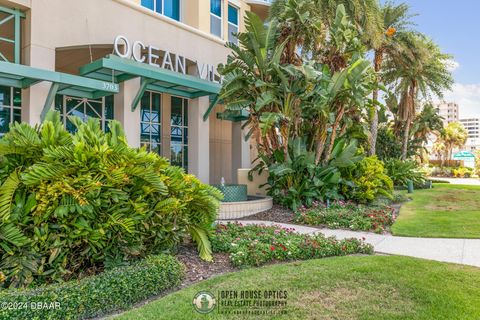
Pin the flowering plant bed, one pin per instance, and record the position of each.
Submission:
(348, 215)
(254, 245)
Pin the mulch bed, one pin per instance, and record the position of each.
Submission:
(276, 214)
(284, 215)
(197, 270)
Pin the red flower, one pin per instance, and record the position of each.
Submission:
(272, 248)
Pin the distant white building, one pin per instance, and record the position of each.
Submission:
(448, 111)
(472, 125)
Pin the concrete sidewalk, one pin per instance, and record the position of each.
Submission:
(462, 251)
(461, 181)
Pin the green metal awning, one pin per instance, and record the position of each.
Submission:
(21, 76)
(116, 69)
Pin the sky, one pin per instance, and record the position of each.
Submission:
(455, 26)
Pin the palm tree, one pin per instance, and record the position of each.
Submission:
(396, 21)
(427, 122)
(426, 125)
(454, 136)
(305, 24)
(418, 69)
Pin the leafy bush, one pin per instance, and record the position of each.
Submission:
(369, 181)
(297, 180)
(94, 296)
(402, 171)
(348, 215)
(442, 171)
(72, 204)
(254, 245)
(462, 172)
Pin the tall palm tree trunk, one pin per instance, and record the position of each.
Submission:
(406, 136)
(374, 121)
(408, 115)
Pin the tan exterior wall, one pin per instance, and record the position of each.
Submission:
(61, 35)
(220, 149)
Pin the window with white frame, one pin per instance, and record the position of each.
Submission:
(85, 109)
(216, 17)
(10, 107)
(179, 132)
(169, 8)
(232, 24)
(150, 121)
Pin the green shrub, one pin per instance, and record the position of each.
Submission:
(71, 204)
(297, 180)
(442, 171)
(347, 215)
(369, 181)
(115, 289)
(402, 171)
(462, 172)
(254, 245)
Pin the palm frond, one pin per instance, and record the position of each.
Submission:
(7, 192)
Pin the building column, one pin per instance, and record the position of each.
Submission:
(34, 97)
(199, 139)
(122, 111)
(166, 127)
(240, 150)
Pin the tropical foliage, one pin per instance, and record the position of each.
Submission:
(73, 204)
(369, 181)
(403, 171)
(305, 76)
(297, 180)
(396, 25)
(301, 97)
(309, 99)
(414, 73)
(453, 136)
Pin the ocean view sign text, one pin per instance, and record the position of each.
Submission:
(154, 56)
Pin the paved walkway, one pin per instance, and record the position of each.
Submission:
(463, 181)
(462, 251)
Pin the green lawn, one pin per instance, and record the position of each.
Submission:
(355, 287)
(446, 211)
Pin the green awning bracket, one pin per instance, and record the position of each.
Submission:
(159, 79)
(212, 105)
(50, 99)
(20, 76)
(144, 82)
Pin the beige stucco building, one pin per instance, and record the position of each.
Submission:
(449, 111)
(150, 64)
